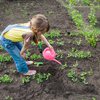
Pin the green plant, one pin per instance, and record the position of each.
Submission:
(38, 63)
(25, 80)
(92, 16)
(54, 33)
(77, 18)
(94, 98)
(75, 65)
(5, 79)
(78, 77)
(1, 48)
(8, 98)
(33, 44)
(79, 54)
(91, 38)
(51, 41)
(86, 2)
(82, 77)
(28, 54)
(72, 2)
(35, 56)
(72, 75)
(63, 66)
(5, 58)
(60, 43)
(78, 42)
(41, 77)
(59, 54)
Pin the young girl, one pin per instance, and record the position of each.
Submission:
(26, 32)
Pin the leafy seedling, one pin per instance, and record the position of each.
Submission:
(38, 63)
(5, 79)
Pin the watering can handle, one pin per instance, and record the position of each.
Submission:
(57, 61)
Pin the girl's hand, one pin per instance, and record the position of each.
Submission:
(23, 55)
(51, 48)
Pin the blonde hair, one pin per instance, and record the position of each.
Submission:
(40, 23)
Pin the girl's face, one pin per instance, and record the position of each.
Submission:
(39, 32)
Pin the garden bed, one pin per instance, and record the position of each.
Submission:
(77, 79)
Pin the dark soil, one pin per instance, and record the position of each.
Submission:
(59, 86)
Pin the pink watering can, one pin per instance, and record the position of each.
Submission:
(50, 55)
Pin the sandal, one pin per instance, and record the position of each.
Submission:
(29, 62)
(30, 72)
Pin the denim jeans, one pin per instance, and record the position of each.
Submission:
(13, 48)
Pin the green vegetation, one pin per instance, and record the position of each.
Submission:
(35, 56)
(41, 77)
(1, 48)
(91, 15)
(60, 43)
(85, 29)
(63, 66)
(25, 79)
(5, 58)
(59, 54)
(79, 54)
(86, 2)
(80, 77)
(53, 34)
(8, 98)
(51, 41)
(5, 79)
(94, 98)
(77, 42)
(28, 54)
(38, 63)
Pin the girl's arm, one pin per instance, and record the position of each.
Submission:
(27, 41)
(45, 41)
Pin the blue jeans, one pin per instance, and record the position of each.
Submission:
(14, 48)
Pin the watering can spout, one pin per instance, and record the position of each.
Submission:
(57, 61)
